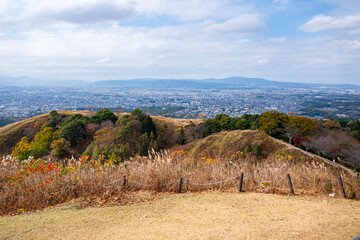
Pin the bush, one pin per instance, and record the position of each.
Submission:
(60, 147)
(74, 132)
(42, 142)
(103, 115)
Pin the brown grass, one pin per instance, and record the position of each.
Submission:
(160, 172)
(12, 133)
(195, 216)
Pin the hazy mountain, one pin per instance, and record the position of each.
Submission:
(24, 81)
(230, 82)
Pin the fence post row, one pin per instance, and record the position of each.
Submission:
(342, 187)
(290, 184)
(241, 182)
(180, 185)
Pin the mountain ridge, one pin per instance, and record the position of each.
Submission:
(228, 82)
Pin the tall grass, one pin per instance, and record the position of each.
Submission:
(36, 184)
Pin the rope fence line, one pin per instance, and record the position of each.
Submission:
(213, 183)
(241, 182)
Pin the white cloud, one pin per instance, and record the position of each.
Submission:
(76, 12)
(103, 60)
(190, 10)
(354, 32)
(244, 24)
(4, 5)
(209, 38)
(281, 1)
(277, 40)
(353, 44)
(322, 22)
(263, 60)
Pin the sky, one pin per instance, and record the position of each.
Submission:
(313, 41)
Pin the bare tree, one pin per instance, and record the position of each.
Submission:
(290, 132)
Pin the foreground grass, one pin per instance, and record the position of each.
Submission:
(195, 216)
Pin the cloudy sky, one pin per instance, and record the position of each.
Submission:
(284, 40)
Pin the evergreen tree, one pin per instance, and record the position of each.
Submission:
(74, 132)
(356, 126)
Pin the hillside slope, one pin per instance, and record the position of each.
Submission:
(256, 143)
(11, 134)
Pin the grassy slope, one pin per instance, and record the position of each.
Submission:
(225, 143)
(195, 216)
(11, 134)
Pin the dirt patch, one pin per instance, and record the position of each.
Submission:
(195, 216)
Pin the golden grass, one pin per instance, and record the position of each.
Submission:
(177, 122)
(12, 133)
(223, 144)
(24, 190)
(195, 216)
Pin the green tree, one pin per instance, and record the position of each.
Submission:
(103, 115)
(42, 142)
(55, 116)
(355, 134)
(74, 118)
(148, 126)
(211, 126)
(356, 126)
(51, 124)
(242, 124)
(143, 145)
(22, 149)
(233, 122)
(60, 147)
(181, 138)
(223, 121)
(74, 132)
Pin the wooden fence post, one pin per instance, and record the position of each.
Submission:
(342, 187)
(241, 182)
(124, 181)
(290, 184)
(180, 185)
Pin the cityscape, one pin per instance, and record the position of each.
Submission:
(317, 102)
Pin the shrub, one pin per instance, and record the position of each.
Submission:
(103, 115)
(74, 132)
(60, 147)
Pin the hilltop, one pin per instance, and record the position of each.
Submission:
(257, 145)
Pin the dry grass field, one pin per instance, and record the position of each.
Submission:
(212, 215)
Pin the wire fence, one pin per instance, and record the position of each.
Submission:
(285, 181)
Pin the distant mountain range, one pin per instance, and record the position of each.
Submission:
(211, 83)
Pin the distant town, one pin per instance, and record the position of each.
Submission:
(317, 102)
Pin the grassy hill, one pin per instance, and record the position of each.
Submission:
(257, 145)
(11, 134)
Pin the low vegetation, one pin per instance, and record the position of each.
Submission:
(37, 184)
(70, 156)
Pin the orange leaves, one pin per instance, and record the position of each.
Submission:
(208, 160)
(178, 153)
(284, 156)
